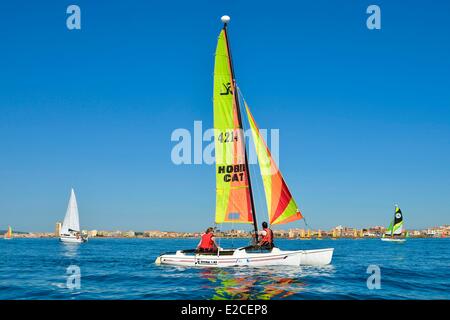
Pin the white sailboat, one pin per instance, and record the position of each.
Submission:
(70, 229)
(394, 231)
(234, 196)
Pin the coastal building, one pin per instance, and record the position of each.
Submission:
(152, 233)
(128, 234)
(376, 231)
(58, 229)
(415, 233)
(293, 233)
(280, 233)
(235, 233)
(104, 233)
(92, 233)
(338, 231)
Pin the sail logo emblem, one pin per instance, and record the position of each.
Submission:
(227, 88)
(398, 215)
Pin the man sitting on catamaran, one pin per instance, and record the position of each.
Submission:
(208, 242)
(266, 241)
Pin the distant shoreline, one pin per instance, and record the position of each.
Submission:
(27, 236)
(339, 232)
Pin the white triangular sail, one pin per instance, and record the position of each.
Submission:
(71, 220)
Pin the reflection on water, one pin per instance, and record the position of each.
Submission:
(258, 283)
(69, 250)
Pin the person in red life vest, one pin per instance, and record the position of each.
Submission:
(266, 237)
(208, 242)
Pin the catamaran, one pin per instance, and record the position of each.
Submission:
(234, 196)
(394, 231)
(70, 229)
(9, 234)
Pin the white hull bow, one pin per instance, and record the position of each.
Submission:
(240, 257)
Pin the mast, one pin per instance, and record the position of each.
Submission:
(225, 20)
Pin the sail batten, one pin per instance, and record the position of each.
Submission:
(281, 206)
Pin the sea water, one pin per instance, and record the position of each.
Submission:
(125, 269)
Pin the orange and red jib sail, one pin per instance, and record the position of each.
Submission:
(281, 205)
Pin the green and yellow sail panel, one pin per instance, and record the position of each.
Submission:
(398, 221)
(396, 225)
(281, 205)
(233, 202)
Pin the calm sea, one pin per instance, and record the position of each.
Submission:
(125, 269)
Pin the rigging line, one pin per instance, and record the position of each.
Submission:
(306, 223)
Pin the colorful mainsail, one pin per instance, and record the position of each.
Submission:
(233, 197)
(281, 205)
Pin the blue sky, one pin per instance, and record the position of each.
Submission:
(364, 116)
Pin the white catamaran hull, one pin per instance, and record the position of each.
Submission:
(67, 239)
(393, 240)
(240, 257)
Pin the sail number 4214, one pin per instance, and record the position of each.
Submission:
(228, 136)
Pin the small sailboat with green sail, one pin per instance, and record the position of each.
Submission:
(234, 195)
(394, 232)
